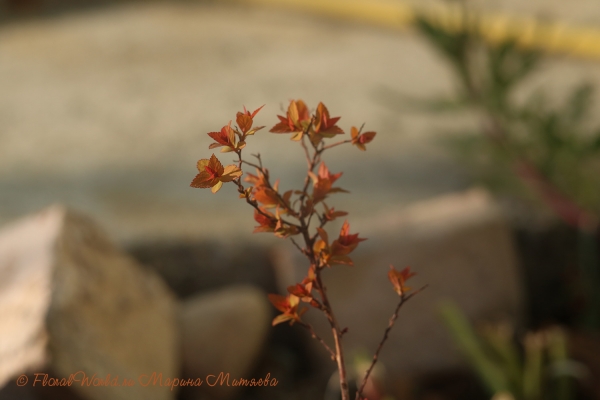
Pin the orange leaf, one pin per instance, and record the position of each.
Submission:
(360, 140)
(295, 121)
(266, 223)
(244, 121)
(325, 125)
(253, 114)
(346, 242)
(288, 306)
(212, 174)
(267, 196)
(225, 137)
(399, 278)
(331, 214)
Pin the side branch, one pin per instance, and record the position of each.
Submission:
(336, 144)
(403, 299)
(314, 335)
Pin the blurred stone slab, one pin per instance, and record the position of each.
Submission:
(223, 332)
(458, 244)
(190, 267)
(70, 302)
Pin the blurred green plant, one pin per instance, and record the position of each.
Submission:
(551, 150)
(540, 369)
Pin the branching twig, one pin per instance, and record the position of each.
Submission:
(403, 299)
(336, 144)
(314, 335)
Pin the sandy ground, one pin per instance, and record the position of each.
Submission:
(107, 110)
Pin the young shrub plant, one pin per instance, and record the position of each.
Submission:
(300, 215)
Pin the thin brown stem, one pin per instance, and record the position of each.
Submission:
(336, 144)
(337, 336)
(298, 246)
(252, 165)
(403, 299)
(315, 336)
(306, 153)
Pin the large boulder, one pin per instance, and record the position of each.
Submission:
(458, 244)
(73, 304)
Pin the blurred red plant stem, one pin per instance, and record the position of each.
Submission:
(392, 321)
(565, 207)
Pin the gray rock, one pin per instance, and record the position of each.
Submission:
(223, 332)
(190, 267)
(74, 304)
(458, 244)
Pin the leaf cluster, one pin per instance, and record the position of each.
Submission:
(300, 214)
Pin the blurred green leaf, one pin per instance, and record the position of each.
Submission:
(579, 103)
(471, 346)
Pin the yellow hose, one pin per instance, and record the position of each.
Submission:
(550, 37)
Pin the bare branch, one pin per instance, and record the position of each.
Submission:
(403, 299)
(314, 335)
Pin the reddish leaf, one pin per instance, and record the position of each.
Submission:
(399, 278)
(295, 121)
(299, 290)
(322, 183)
(359, 140)
(244, 122)
(324, 125)
(346, 242)
(331, 214)
(226, 137)
(288, 305)
(212, 174)
(253, 114)
(267, 196)
(266, 223)
(257, 180)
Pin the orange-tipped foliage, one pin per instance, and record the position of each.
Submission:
(288, 305)
(266, 223)
(304, 290)
(298, 212)
(346, 242)
(225, 137)
(323, 183)
(245, 120)
(295, 121)
(399, 278)
(212, 174)
(337, 252)
(263, 192)
(359, 140)
(300, 291)
(257, 180)
(330, 214)
(324, 125)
